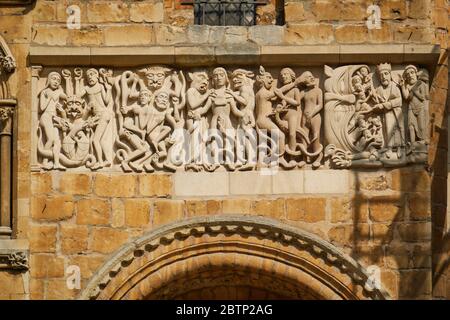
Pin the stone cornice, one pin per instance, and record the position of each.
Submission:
(308, 55)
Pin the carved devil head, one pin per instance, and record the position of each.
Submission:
(155, 76)
(75, 107)
(199, 81)
(241, 77)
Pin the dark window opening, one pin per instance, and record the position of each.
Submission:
(225, 12)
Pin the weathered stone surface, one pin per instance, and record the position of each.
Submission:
(146, 11)
(236, 206)
(273, 208)
(119, 36)
(181, 18)
(169, 35)
(46, 266)
(309, 34)
(386, 208)
(326, 10)
(99, 12)
(115, 185)
(57, 290)
(346, 209)
(11, 284)
(410, 180)
(349, 235)
(75, 183)
(166, 211)
(288, 182)
(202, 207)
(411, 34)
(74, 239)
(393, 9)
(157, 185)
(374, 182)
(351, 34)
(93, 212)
(266, 34)
(41, 183)
(91, 36)
(88, 264)
(106, 240)
(419, 206)
(197, 184)
(42, 238)
(419, 9)
(50, 35)
(52, 208)
(246, 183)
(44, 11)
(265, 15)
(412, 232)
(294, 12)
(137, 212)
(415, 283)
(118, 213)
(326, 181)
(306, 209)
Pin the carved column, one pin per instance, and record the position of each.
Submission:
(6, 121)
(35, 74)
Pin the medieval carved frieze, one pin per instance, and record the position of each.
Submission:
(159, 118)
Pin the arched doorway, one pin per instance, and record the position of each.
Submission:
(230, 257)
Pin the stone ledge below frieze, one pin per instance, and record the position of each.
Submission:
(308, 55)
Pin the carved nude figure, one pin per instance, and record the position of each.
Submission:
(99, 98)
(312, 98)
(415, 92)
(50, 99)
(134, 132)
(245, 97)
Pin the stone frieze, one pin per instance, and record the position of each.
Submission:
(159, 118)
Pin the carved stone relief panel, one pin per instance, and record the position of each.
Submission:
(160, 118)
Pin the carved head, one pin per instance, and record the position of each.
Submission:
(264, 78)
(75, 107)
(92, 76)
(410, 74)
(220, 78)
(162, 100)
(155, 76)
(357, 84)
(287, 75)
(307, 78)
(241, 78)
(199, 81)
(53, 80)
(364, 71)
(144, 97)
(384, 74)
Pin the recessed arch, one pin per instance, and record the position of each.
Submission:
(230, 251)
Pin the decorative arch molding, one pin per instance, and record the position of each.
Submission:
(160, 262)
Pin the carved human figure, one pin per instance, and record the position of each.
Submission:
(390, 105)
(415, 93)
(198, 102)
(245, 97)
(99, 99)
(160, 123)
(264, 110)
(134, 132)
(223, 104)
(50, 99)
(290, 110)
(311, 122)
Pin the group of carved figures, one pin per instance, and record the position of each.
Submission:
(160, 118)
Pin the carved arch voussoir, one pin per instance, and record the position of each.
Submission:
(125, 275)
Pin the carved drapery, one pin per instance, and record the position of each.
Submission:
(7, 107)
(160, 118)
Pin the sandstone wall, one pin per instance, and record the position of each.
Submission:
(387, 218)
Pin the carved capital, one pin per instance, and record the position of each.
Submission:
(36, 71)
(14, 260)
(6, 115)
